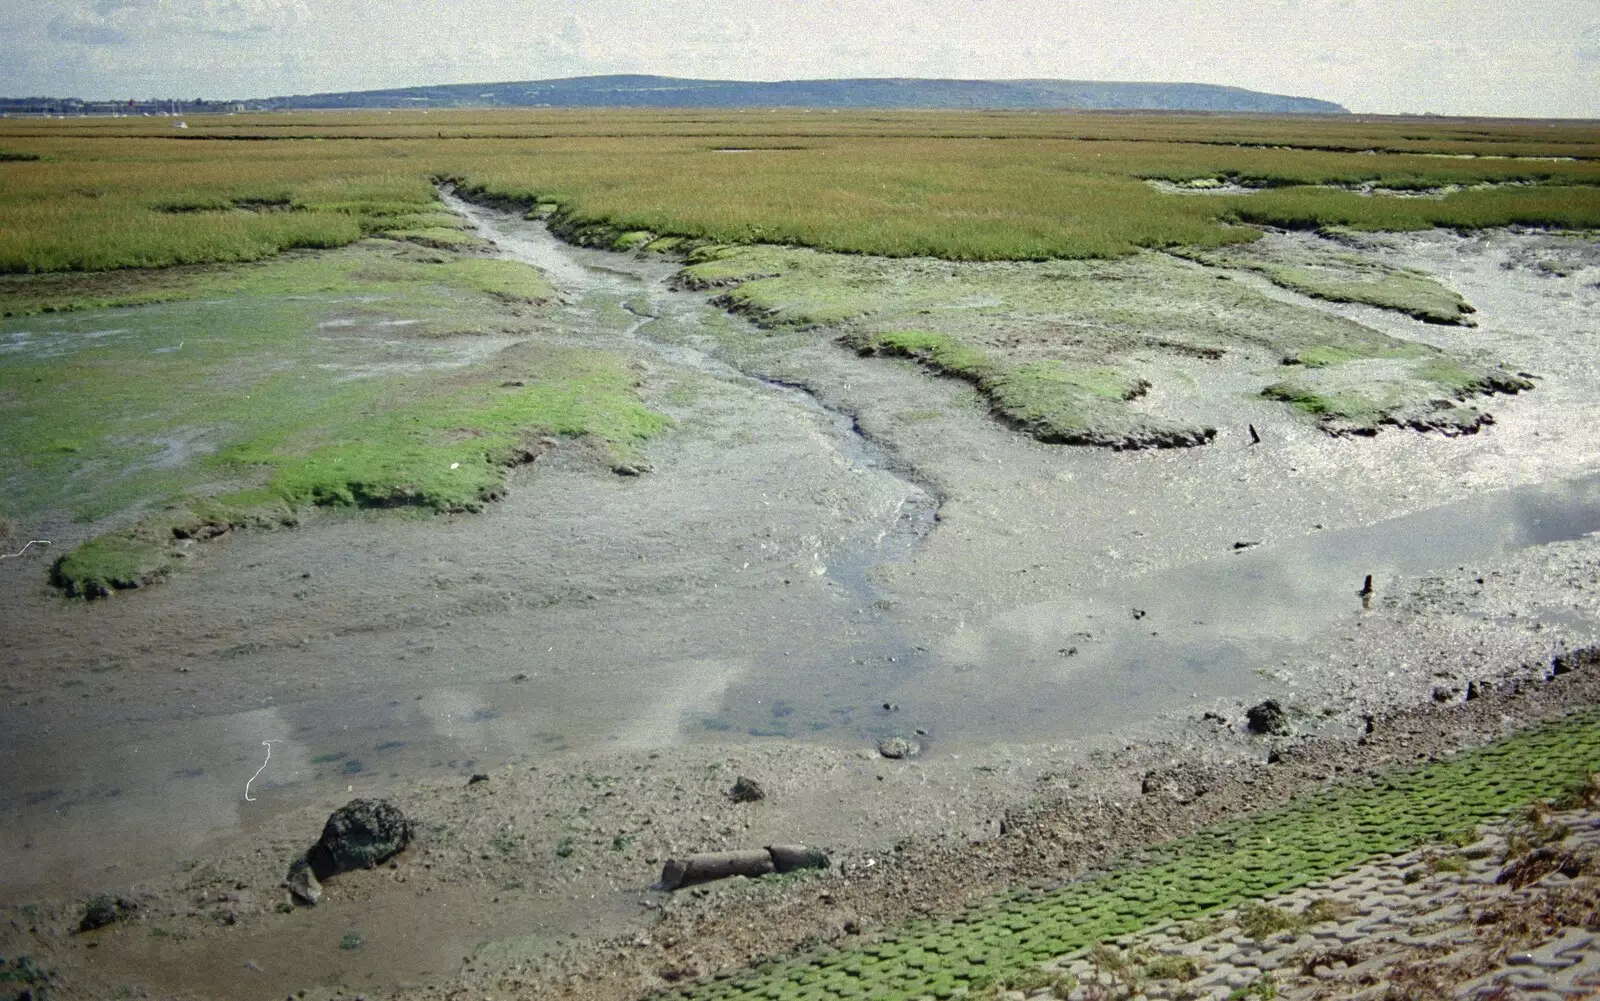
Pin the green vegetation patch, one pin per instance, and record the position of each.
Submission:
(507, 280)
(1059, 403)
(632, 239)
(22, 979)
(1336, 276)
(1223, 866)
(782, 287)
(111, 563)
(147, 551)
(378, 375)
(1414, 295)
(449, 452)
(1107, 353)
(442, 237)
(1051, 400)
(1350, 393)
(940, 352)
(1566, 206)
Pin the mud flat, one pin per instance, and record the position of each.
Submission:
(826, 549)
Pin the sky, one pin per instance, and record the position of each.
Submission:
(1535, 58)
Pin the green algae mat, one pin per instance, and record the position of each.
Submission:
(187, 402)
(1222, 866)
(1115, 353)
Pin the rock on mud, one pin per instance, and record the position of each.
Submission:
(104, 910)
(899, 747)
(1268, 717)
(359, 835)
(746, 790)
(1576, 660)
(303, 883)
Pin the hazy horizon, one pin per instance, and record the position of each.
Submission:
(1537, 59)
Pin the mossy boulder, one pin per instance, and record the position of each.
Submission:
(362, 834)
(104, 909)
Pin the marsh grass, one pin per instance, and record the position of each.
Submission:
(84, 206)
(966, 186)
(1343, 277)
(1568, 206)
(108, 564)
(1052, 400)
(82, 201)
(786, 129)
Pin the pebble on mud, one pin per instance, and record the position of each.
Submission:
(898, 747)
(303, 884)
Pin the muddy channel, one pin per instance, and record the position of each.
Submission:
(826, 550)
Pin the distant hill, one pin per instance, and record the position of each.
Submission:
(671, 92)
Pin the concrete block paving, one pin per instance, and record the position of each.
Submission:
(1405, 921)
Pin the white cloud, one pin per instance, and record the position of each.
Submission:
(88, 27)
(119, 22)
(1588, 45)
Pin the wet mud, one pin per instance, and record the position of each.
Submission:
(826, 551)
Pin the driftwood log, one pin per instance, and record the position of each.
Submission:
(752, 862)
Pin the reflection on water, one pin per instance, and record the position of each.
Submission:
(1117, 655)
(1078, 666)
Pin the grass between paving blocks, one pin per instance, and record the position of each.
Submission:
(1188, 879)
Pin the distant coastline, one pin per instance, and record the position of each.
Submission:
(669, 92)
